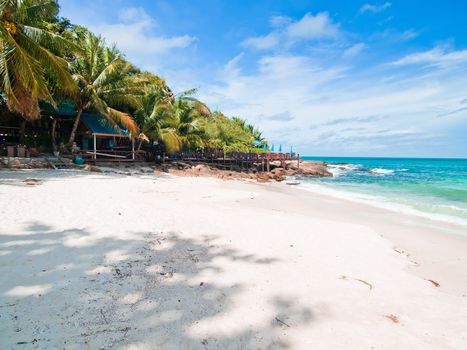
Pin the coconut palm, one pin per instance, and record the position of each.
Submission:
(104, 80)
(175, 120)
(28, 55)
(189, 124)
(157, 120)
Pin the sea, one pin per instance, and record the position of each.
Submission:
(432, 188)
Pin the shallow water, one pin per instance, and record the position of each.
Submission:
(434, 188)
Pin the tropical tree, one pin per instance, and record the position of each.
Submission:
(176, 120)
(176, 123)
(30, 54)
(104, 80)
(189, 124)
(156, 120)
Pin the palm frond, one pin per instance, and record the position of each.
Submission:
(123, 119)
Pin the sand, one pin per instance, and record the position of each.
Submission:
(106, 261)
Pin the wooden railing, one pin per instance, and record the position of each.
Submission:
(110, 155)
(233, 156)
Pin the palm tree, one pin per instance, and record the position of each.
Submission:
(104, 80)
(156, 118)
(189, 124)
(28, 55)
(175, 120)
(192, 102)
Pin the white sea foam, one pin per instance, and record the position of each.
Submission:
(381, 171)
(339, 169)
(379, 202)
(452, 208)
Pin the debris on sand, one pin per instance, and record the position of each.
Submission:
(27, 342)
(358, 280)
(33, 182)
(282, 322)
(393, 318)
(436, 284)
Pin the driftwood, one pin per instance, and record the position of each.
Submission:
(393, 318)
(282, 322)
(436, 284)
(358, 280)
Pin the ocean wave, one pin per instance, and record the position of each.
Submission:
(381, 171)
(383, 203)
(339, 169)
(451, 208)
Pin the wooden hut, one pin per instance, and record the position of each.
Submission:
(102, 142)
(95, 139)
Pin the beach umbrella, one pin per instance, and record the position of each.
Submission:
(256, 143)
(272, 148)
(280, 148)
(291, 150)
(265, 147)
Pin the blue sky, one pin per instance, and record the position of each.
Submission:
(342, 78)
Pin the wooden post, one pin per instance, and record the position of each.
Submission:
(268, 168)
(133, 148)
(95, 148)
(54, 142)
(298, 161)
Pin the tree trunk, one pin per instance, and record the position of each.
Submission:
(54, 141)
(22, 132)
(75, 127)
(140, 142)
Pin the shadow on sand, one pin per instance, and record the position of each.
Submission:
(68, 289)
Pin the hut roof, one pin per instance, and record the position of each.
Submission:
(96, 125)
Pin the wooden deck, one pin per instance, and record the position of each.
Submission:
(236, 160)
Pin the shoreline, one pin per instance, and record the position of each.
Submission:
(427, 245)
(180, 261)
(278, 173)
(383, 203)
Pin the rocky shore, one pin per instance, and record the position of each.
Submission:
(278, 172)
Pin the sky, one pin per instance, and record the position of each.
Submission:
(328, 77)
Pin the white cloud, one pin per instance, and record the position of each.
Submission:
(133, 34)
(374, 8)
(279, 21)
(408, 35)
(313, 27)
(354, 50)
(262, 42)
(287, 31)
(394, 35)
(437, 56)
(134, 14)
(333, 109)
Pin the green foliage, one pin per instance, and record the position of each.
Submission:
(186, 123)
(105, 81)
(30, 52)
(44, 57)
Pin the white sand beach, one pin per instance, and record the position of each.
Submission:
(101, 261)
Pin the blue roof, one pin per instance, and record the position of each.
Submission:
(96, 125)
(63, 109)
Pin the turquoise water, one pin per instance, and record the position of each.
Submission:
(436, 188)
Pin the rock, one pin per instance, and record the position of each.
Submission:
(263, 177)
(14, 163)
(181, 165)
(93, 168)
